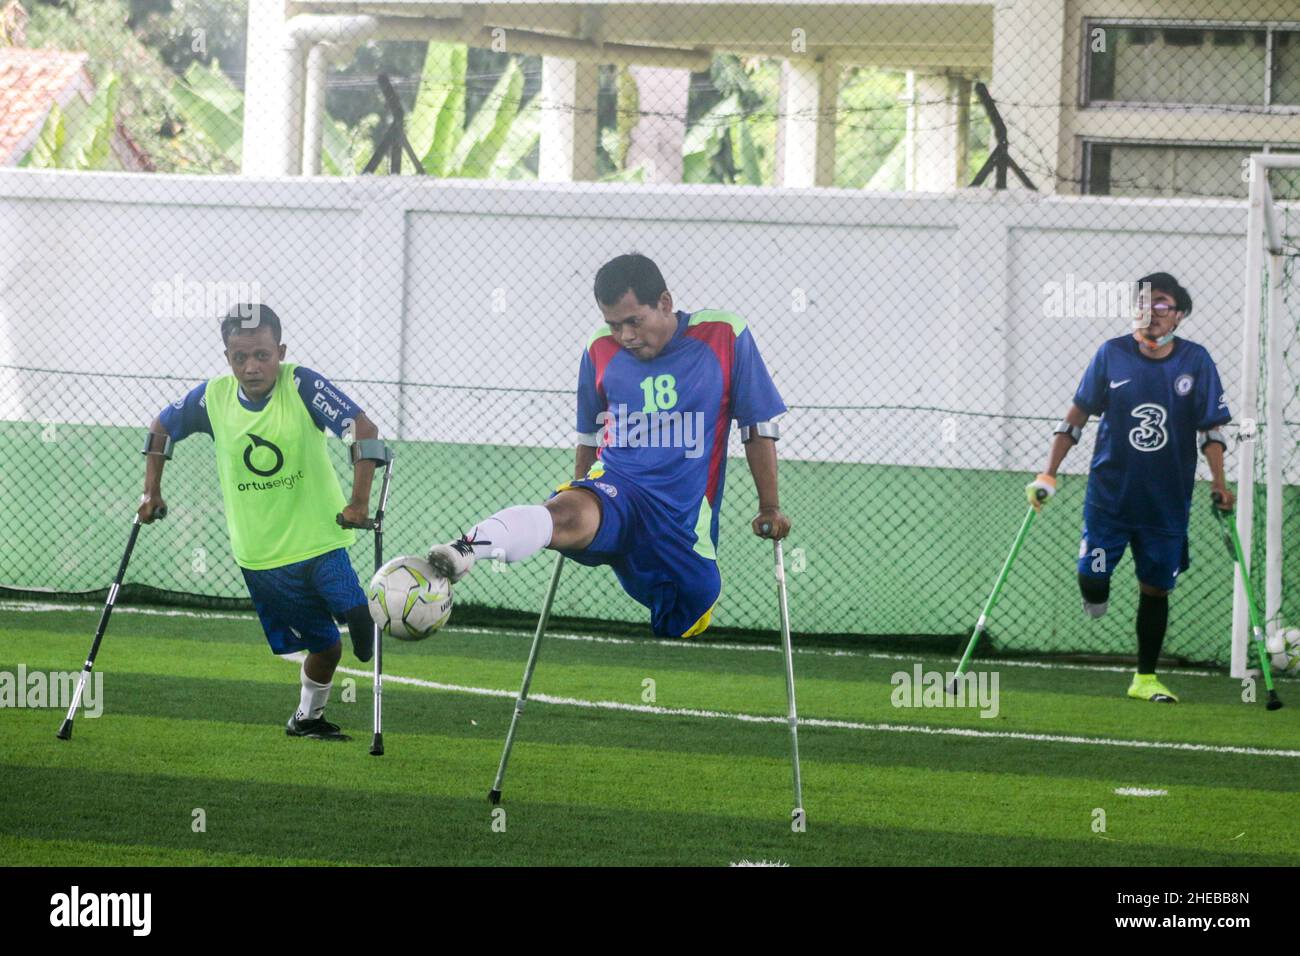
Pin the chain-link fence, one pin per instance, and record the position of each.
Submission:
(806, 167)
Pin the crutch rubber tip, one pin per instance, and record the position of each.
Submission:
(65, 732)
(1273, 702)
(377, 746)
(951, 687)
(494, 797)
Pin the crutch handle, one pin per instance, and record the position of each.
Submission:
(368, 525)
(1215, 500)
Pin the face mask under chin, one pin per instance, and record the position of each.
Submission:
(1140, 326)
(1152, 343)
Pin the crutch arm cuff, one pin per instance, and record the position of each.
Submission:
(151, 444)
(1065, 428)
(371, 449)
(770, 429)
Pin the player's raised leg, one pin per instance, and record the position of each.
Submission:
(569, 521)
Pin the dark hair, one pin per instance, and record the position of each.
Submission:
(1164, 282)
(633, 272)
(249, 317)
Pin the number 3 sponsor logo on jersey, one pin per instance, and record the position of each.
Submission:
(1150, 435)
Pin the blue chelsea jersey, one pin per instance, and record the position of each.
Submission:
(1144, 464)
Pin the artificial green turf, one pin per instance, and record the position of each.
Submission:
(194, 709)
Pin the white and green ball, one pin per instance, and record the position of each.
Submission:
(1284, 646)
(409, 599)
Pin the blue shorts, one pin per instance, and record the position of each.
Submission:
(298, 603)
(652, 555)
(1160, 556)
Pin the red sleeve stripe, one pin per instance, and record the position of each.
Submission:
(720, 337)
(602, 351)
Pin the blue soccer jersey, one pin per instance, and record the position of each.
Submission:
(328, 406)
(1144, 465)
(664, 423)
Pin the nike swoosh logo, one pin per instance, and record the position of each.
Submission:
(1118, 384)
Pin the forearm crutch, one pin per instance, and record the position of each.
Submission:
(373, 449)
(792, 715)
(65, 731)
(494, 795)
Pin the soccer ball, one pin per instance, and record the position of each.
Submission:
(1285, 645)
(409, 599)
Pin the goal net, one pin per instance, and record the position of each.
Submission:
(1268, 516)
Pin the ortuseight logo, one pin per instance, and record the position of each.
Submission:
(258, 442)
(134, 910)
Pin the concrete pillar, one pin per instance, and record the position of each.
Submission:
(273, 94)
(314, 118)
(659, 132)
(568, 145)
(1028, 53)
(938, 115)
(807, 136)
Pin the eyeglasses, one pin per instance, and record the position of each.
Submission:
(1161, 309)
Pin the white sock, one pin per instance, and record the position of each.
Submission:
(513, 533)
(314, 697)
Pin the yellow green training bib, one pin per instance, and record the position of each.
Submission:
(279, 487)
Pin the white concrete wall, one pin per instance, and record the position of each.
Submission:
(901, 329)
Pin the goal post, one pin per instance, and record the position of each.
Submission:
(1266, 384)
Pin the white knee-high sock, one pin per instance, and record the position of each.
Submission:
(513, 534)
(314, 697)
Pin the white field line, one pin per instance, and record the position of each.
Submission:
(1140, 792)
(640, 641)
(815, 721)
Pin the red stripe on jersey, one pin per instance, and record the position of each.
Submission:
(721, 340)
(602, 352)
